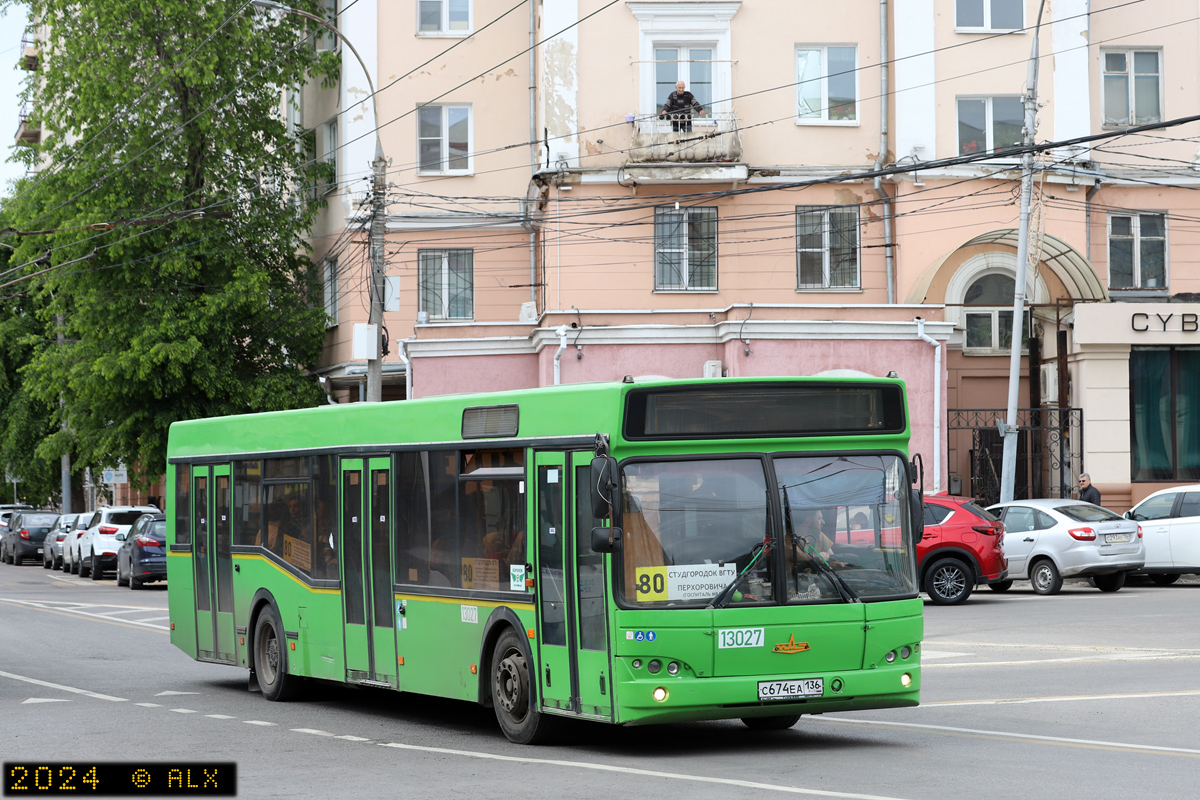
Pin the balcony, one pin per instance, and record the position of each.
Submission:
(714, 137)
(28, 131)
(29, 51)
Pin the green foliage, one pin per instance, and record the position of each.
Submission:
(197, 298)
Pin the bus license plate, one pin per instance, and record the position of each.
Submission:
(789, 690)
(1113, 538)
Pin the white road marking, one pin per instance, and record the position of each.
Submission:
(168, 693)
(45, 700)
(183, 711)
(1029, 736)
(69, 580)
(259, 722)
(313, 731)
(149, 705)
(60, 687)
(1089, 647)
(1073, 660)
(155, 619)
(349, 738)
(75, 608)
(1063, 699)
(649, 773)
(219, 716)
(926, 654)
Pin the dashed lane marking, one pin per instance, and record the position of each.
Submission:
(169, 693)
(1062, 699)
(349, 738)
(313, 731)
(649, 773)
(45, 700)
(183, 710)
(926, 653)
(260, 722)
(149, 705)
(219, 716)
(1090, 744)
(60, 687)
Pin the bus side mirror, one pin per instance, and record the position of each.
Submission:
(606, 540)
(917, 505)
(604, 487)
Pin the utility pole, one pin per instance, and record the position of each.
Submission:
(1008, 428)
(377, 285)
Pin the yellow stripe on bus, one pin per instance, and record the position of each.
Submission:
(463, 601)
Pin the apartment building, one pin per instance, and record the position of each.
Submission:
(547, 223)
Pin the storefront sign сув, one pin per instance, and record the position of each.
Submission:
(1184, 323)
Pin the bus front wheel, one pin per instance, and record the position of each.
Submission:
(270, 657)
(771, 723)
(520, 721)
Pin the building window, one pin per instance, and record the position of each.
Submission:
(326, 39)
(827, 247)
(989, 123)
(1132, 87)
(826, 85)
(989, 15)
(444, 140)
(1165, 413)
(443, 17)
(693, 65)
(447, 283)
(331, 291)
(330, 130)
(685, 249)
(1137, 251)
(989, 330)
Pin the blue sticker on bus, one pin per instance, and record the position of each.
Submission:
(641, 636)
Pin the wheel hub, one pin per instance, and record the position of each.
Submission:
(949, 582)
(512, 676)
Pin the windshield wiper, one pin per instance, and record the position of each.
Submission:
(756, 553)
(843, 588)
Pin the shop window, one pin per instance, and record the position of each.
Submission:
(827, 247)
(1137, 251)
(827, 85)
(1132, 87)
(989, 330)
(989, 15)
(989, 123)
(1164, 383)
(685, 249)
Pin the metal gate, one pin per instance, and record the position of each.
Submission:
(1049, 451)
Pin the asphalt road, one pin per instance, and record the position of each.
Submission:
(1080, 695)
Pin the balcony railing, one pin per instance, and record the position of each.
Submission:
(686, 138)
(28, 132)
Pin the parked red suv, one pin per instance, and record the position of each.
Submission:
(962, 547)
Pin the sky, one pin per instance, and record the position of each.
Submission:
(12, 25)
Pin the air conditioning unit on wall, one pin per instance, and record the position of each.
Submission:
(1049, 378)
(712, 369)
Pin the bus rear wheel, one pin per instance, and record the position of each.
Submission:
(270, 658)
(771, 723)
(511, 698)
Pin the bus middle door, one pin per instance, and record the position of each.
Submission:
(555, 679)
(367, 571)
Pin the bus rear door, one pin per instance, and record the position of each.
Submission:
(213, 564)
(368, 611)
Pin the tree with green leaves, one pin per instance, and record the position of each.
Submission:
(166, 225)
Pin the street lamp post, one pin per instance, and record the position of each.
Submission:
(378, 210)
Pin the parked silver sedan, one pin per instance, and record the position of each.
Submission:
(52, 557)
(1048, 540)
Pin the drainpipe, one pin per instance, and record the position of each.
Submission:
(533, 154)
(937, 403)
(1087, 220)
(402, 352)
(562, 346)
(885, 199)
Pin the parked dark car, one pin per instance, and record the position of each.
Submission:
(25, 535)
(8, 511)
(142, 557)
(961, 547)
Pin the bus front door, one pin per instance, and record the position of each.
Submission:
(555, 678)
(369, 616)
(213, 564)
(591, 599)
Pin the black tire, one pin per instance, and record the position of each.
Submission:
(949, 582)
(134, 583)
(512, 700)
(771, 723)
(97, 571)
(1110, 583)
(74, 568)
(16, 560)
(1000, 586)
(270, 658)
(1164, 580)
(84, 569)
(47, 564)
(121, 582)
(1045, 577)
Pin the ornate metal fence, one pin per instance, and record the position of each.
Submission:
(1049, 450)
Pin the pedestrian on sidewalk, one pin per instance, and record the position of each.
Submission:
(1087, 492)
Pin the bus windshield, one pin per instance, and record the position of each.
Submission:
(691, 527)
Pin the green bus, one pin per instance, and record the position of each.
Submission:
(630, 552)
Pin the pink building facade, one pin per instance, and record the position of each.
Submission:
(547, 224)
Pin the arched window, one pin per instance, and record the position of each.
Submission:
(990, 329)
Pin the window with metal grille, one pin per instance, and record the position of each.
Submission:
(827, 247)
(685, 249)
(447, 283)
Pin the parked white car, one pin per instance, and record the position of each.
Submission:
(98, 545)
(1170, 520)
(1050, 539)
(70, 547)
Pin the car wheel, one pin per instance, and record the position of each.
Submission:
(75, 566)
(84, 569)
(120, 580)
(270, 658)
(1000, 586)
(1110, 583)
(1045, 577)
(949, 582)
(1164, 580)
(47, 564)
(771, 723)
(511, 698)
(96, 570)
(134, 583)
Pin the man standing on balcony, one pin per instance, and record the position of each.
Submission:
(680, 106)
